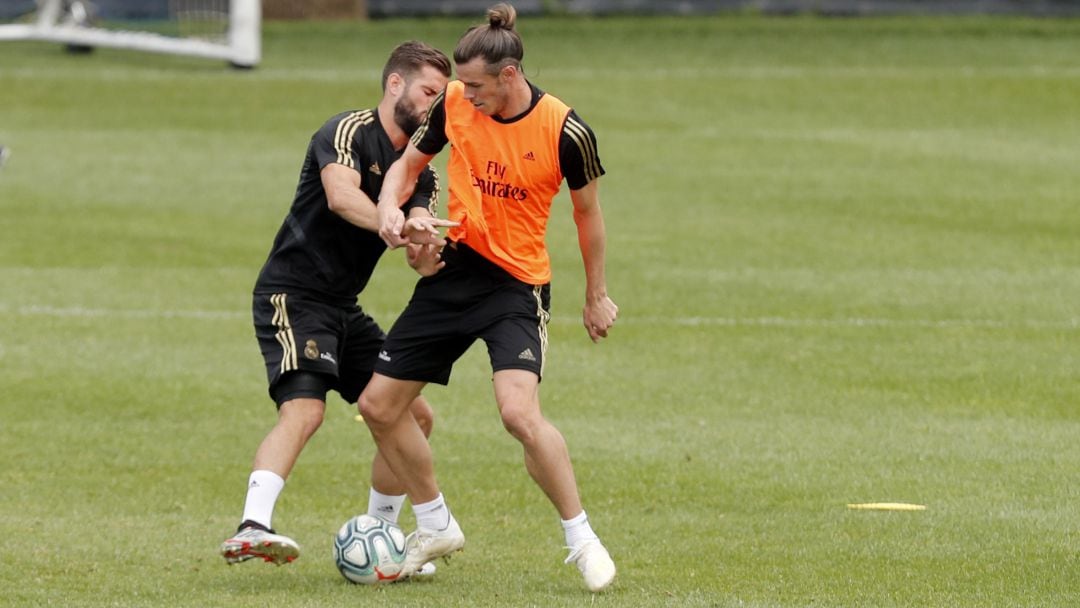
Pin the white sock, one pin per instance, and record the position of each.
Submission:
(263, 490)
(434, 515)
(578, 530)
(384, 506)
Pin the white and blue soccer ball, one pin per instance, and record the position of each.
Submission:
(369, 550)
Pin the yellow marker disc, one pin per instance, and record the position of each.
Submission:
(359, 418)
(887, 506)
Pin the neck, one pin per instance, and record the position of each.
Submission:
(393, 131)
(518, 99)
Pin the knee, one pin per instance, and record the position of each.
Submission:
(521, 422)
(381, 411)
(304, 415)
(375, 412)
(423, 414)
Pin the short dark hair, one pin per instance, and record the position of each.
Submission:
(410, 57)
(497, 42)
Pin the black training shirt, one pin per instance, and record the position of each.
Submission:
(316, 251)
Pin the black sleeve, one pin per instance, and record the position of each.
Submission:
(578, 157)
(426, 194)
(430, 138)
(333, 142)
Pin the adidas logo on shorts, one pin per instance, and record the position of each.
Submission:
(527, 355)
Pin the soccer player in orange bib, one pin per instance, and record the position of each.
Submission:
(512, 145)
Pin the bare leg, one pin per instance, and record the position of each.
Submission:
(546, 456)
(384, 405)
(298, 420)
(382, 477)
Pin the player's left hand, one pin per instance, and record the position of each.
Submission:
(425, 230)
(599, 316)
(426, 260)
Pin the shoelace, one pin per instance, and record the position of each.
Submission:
(575, 552)
(415, 541)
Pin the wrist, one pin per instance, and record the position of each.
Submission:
(596, 295)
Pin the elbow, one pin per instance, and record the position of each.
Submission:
(335, 201)
(588, 215)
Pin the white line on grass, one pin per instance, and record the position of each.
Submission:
(682, 321)
(80, 312)
(772, 72)
(695, 73)
(859, 322)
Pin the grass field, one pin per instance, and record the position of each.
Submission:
(847, 259)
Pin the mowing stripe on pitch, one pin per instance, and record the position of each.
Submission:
(682, 321)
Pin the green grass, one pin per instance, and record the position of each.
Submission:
(845, 253)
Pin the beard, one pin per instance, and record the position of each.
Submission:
(406, 117)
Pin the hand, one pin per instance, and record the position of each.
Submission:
(599, 316)
(391, 222)
(426, 260)
(425, 230)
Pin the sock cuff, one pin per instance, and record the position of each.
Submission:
(375, 494)
(578, 530)
(265, 479)
(574, 521)
(385, 506)
(428, 507)
(434, 515)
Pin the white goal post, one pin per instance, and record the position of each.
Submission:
(239, 41)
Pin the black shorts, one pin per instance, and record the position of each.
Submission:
(298, 333)
(469, 298)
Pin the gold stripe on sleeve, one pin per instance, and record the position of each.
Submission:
(346, 130)
(586, 144)
(422, 130)
(433, 202)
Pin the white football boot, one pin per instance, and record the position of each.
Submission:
(423, 546)
(425, 572)
(251, 542)
(595, 564)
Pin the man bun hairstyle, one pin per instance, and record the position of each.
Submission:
(497, 41)
(502, 15)
(410, 57)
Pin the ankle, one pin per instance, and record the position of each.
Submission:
(250, 523)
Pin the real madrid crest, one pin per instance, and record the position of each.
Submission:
(311, 350)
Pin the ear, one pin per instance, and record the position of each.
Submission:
(508, 72)
(395, 84)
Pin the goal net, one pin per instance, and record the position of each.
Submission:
(213, 29)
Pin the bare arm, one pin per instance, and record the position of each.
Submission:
(600, 311)
(396, 189)
(345, 198)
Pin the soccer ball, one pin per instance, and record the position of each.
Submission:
(369, 550)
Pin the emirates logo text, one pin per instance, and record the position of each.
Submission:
(493, 184)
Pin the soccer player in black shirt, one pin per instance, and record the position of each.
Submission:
(312, 333)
